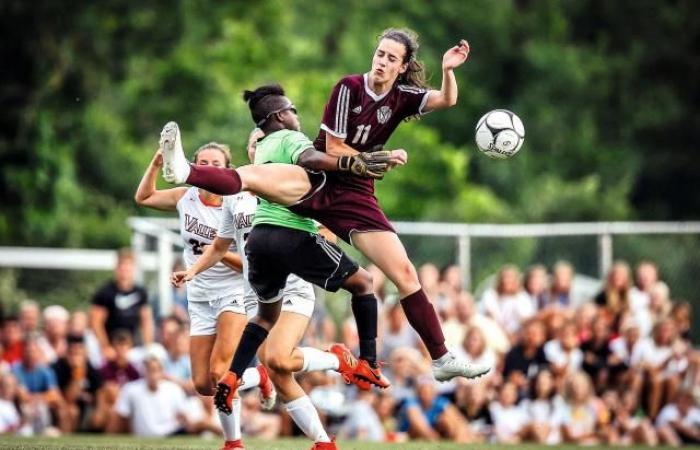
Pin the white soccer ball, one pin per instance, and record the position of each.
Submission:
(500, 134)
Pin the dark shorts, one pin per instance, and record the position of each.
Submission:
(341, 209)
(275, 252)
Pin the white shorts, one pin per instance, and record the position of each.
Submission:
(298, 304)
(204, 315)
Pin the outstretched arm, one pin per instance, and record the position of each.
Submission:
(148, 195)
(447, 95)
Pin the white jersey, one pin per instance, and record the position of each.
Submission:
(236, 223)
(198, 225)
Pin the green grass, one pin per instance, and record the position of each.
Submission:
(128, 442)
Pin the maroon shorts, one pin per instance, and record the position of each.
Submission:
(341, 208)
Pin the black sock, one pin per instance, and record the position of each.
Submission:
(364, 308)
(253, 337)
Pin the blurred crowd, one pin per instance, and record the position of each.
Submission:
(617, 367)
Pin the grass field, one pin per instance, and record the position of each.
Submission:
(123, 442)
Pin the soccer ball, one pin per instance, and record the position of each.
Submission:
(500, 134)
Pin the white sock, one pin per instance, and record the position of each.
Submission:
(306, 417)
(442, 360)
(250, 378)
(315, 359)
(231, 423)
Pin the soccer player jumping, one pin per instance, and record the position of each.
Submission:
(362, 113)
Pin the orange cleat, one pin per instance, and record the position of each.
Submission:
(325, 445)
(268, 395)
(226, 391)
(233, 445)
(366, 375)
(347, 362)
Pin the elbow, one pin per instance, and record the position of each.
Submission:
(140, 199)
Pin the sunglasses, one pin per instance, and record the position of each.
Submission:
(289, 107)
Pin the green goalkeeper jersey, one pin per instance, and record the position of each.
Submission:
(284, 147)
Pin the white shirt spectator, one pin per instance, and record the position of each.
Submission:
(670, 413)
(507, 421)
(510, 311)
(556, 355)
(648, 353)
(9, 417)
(550, 412)
(151, 413)
(363, 423)
(619, 348)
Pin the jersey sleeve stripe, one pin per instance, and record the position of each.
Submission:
(341, 113)
(423, 103)
(328, 130)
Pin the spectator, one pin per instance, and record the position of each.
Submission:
(510, 421)
(11, 340)
(362, 421)
(681, 316)
(121, 304)
(78, 326)
(79, 383)
(597, 352)
(386, 408)
(646, 276)
(120, 370)
(151, 406)
(632, 427)
(545, 408)
(679, 422)
(29, 317)
(661, 364)
(451, 279)
(10, 419)
(585, 420)
(562, 280)
(398, 333)
(177, 362)
(536, 285)
(38, 392)
(467, 316)
(427, 416)
(507, 303)
(258, 423)
(563, 354)
(53, 342)
(474, 349)
(615, 296)
(472, 401)
(527, 358)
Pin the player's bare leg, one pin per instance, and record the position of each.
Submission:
(285, 184)
(386, 251)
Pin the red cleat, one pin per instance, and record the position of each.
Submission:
(347, 362)
(268, 395)
(366, 375)
(226, 391)
(233, 445)
(325, 445)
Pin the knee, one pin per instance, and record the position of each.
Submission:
(278, 363)
(203, 386)
(360, 283)
(406, 274)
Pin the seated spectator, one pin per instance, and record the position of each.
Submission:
(632, 426)
(536, 285)
(472, 401)
(38, 391)
(10, 419)
(405, 364)
(398, 333)
(474, 349)
(177, 362)
(386, 409)
(29, 317)
(78, 326)
(562, 280)
(527, 358)
(467, 316)
(679, 422)
(659, 301)
(615, 296)
(545, 410)
(152, 406)
(622, 348)
(510, 421)
(78, 382)
(507, 303)
(451, 279)
(120, 370)
(646, 277)
(662, 365)
(258, 423)
(362, 421)
(11, 340)
(596, 353)
(53, 341)
(584, 316)
(585, 419)
(681, 316)
(430, 417)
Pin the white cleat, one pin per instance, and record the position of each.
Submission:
(176, 168)
(449, 367)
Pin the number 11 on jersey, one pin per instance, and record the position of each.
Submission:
(361, 134)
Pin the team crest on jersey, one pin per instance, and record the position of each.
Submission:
(357, 109)
(383, 114)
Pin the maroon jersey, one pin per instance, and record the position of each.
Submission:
(364, 119)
